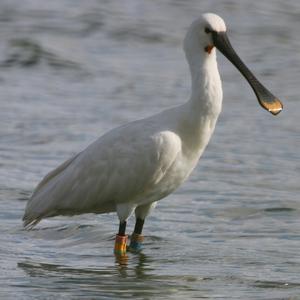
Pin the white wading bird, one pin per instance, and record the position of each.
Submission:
(131, 167)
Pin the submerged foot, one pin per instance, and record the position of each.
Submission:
(136, 242)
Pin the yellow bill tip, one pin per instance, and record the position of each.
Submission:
(274, 107)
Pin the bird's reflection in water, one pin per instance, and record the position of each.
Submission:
(121, 261)
(136, 262)
(133, 275)
(131, 266)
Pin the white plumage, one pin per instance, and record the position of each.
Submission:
(134, 165)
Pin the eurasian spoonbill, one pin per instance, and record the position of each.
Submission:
(131, 167)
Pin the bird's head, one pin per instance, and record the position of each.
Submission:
(208, 33)
(201, 32)
(212, 25)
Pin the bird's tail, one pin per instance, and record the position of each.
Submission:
(29, 222)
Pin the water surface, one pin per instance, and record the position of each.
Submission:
(70, 71)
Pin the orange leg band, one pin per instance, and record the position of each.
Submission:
(120, 244)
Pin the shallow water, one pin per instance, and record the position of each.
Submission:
(70, 71)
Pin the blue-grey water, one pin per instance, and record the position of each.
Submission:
(70, 71)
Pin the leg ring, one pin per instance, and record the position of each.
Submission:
(136, 242)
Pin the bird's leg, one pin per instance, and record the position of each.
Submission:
(122, 228)
(121, 240)
(138, 228)
(141, 212)
(137, 238)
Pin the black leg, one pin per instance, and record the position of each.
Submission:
(137, 238)
(138, 228)
(122, 228)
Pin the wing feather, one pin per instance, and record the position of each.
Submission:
(119, 167)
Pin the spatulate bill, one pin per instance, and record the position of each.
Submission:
(265, 98)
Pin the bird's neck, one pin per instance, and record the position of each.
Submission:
(202, 110)
(206, 96)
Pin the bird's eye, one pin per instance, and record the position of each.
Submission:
(207, 30)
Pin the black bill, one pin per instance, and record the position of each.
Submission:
(265, 98)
